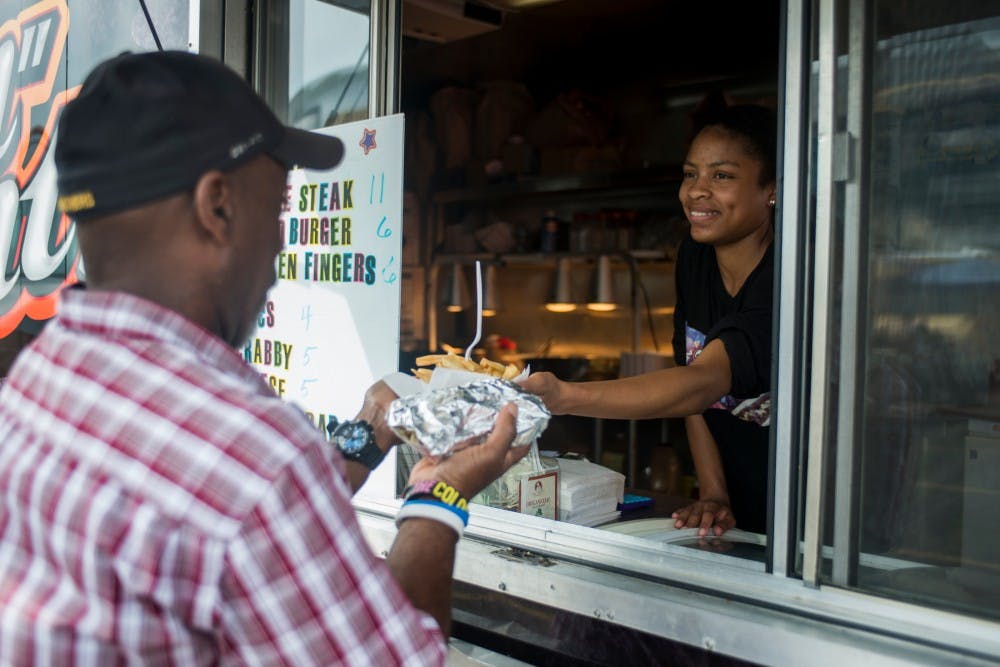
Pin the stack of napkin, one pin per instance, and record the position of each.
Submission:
(588, 493)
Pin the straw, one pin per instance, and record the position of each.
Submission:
(479, 310)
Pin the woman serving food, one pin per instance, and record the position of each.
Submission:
(722, 327)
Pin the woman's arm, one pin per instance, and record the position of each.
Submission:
(712, 508)
(672, 392)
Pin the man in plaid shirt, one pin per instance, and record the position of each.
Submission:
(158, 503)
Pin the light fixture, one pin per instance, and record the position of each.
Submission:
(561, 299)
(602, 298)
(456, 290)
(491, 294)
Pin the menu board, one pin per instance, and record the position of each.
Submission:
(330, 325)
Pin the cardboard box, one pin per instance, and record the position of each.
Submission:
(538, 494)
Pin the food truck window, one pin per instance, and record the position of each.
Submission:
(313, 58)
(547, 142)
(47, 47)
(913, 432)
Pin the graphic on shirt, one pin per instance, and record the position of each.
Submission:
(755, 410)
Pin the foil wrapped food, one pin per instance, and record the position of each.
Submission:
(441, 421)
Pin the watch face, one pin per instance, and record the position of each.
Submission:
(352, 437)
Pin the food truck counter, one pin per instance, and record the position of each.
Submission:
(565, 594)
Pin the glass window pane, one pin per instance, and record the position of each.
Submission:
(101, 29)
(927, 404)
(328, 67)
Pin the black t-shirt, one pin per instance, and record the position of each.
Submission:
(739, 421)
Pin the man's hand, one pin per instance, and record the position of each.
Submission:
(550, 389)
(706, 515)
(374, 409)
(423, 554)
(470, 470)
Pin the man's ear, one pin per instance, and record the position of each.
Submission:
(213, 205)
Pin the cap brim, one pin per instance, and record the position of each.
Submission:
(309, 150)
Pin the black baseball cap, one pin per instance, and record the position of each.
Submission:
(148, 125)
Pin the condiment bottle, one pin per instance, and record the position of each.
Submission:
(550, 232)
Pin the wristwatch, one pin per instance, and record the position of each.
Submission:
(356, 441)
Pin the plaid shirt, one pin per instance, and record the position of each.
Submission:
(160, 505)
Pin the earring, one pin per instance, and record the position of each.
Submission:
(771, 203)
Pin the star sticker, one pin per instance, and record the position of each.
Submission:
(368, 143)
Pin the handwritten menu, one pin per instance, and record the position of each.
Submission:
(330, 326)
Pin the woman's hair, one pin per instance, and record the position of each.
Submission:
(756, 127)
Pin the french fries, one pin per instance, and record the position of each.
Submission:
(452, 360)
(423, 374)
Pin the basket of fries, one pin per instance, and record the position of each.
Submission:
(457, 403)
(428, 363)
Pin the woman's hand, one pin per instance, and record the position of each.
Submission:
(470, 470)
(550, 389)
(707, 515)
